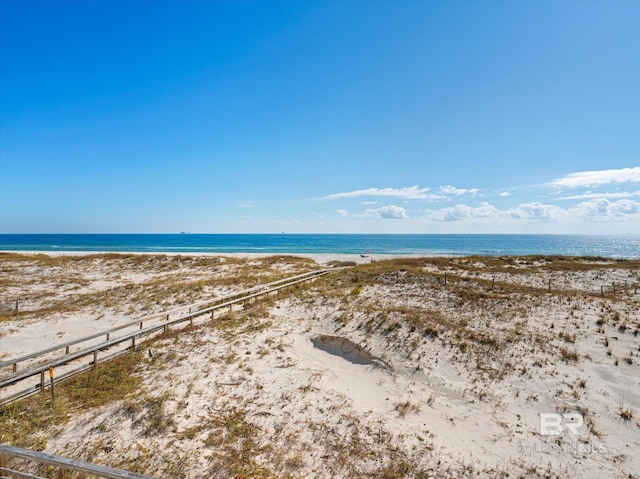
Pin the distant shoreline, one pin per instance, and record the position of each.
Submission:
(354, 245)
(320, 258)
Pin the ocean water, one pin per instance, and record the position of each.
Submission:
(441, 244)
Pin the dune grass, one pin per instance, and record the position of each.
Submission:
(29, 422)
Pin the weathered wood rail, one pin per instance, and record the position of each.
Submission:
(210, 307)
(14, 362)
(61, 463)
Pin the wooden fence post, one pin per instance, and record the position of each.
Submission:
(249, 298)
(53, 394)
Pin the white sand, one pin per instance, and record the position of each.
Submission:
(320, 258)
(318, 415)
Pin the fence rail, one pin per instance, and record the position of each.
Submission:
(107, 332)
(41, 369)
(74, 465)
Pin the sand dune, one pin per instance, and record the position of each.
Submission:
(447, 380)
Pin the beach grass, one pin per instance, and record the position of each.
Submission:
(473, 348)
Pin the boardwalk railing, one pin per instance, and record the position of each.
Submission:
(14, 362)
(41, 369)
(62, 463)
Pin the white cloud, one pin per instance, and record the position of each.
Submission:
(342, 212)
(595, 210)
(464, 212)
(408, 193)
(246, 204)
(625, 207)
(590, 195)
(504, 194)
(534, 210)
(386, 212)
(599, 177)
(451, 190)
(604, 209)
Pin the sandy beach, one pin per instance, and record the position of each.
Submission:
(320, 258)
(396, 367)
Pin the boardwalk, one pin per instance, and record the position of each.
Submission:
(32, 373)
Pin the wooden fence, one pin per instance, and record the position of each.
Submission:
(41, 370)
(7, 453)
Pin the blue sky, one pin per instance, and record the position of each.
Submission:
(319, 117)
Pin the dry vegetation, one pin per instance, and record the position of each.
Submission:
(127, 284)
(471, 350)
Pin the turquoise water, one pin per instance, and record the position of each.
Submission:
(572, 245)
